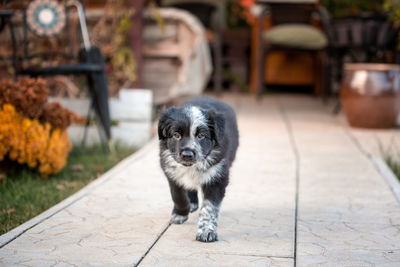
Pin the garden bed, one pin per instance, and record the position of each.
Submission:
(25, 194)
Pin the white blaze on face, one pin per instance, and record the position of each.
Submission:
(197, 119)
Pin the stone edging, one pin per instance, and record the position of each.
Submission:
(388, 175)
(19, 230)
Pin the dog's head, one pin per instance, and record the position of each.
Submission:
(190, 133)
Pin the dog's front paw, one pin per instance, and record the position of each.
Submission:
(178, 219)
(206, 235)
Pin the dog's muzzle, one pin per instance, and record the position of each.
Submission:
(188, 157)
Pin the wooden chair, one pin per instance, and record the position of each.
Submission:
(292, 31)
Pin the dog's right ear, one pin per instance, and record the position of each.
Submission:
(216, 123)
(165, 123)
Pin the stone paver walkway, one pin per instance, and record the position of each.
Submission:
(305, 190)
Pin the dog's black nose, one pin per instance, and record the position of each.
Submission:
(187, 155)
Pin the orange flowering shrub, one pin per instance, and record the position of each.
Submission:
(27, 95)
(27, 134)
(58, 116)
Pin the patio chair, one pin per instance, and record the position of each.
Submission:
(292, 31)
(205, 12)
(43, 20)
(364, 38)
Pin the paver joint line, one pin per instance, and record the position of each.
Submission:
(153, 244)
(357, 143)
(297, 173)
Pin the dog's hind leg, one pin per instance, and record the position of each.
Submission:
(194, 201)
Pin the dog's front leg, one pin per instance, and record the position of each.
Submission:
(209, 212)
(181, 203)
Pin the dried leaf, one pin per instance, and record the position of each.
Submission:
(77, 168)
(100, 168)
(60, 187)
(9, 211)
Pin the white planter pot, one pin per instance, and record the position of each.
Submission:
(132, 112)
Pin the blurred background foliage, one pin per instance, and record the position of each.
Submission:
(340, 8)
(393, 7)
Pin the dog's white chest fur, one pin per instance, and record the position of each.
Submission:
(192, 177)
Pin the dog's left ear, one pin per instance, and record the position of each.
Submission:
(216, 123)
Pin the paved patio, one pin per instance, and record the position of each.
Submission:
(305, 190)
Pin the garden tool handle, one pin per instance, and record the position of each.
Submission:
(82, 22)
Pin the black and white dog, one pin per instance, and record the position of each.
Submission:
(198, 143)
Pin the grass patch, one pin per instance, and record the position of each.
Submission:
(394, 165)
(24, 194)
(391, 154)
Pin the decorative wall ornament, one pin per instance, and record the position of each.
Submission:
(45, 17)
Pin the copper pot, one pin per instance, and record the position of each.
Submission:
(370, 94)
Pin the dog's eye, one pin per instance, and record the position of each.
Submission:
(201, 136)
(176, 135)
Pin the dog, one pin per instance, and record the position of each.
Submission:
(198, 143)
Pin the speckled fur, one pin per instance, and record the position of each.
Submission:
(208, 221)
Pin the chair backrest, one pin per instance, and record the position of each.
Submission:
(365, 37)
(34, 48)
(364, 31)
(282, 13)
(203, 11)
